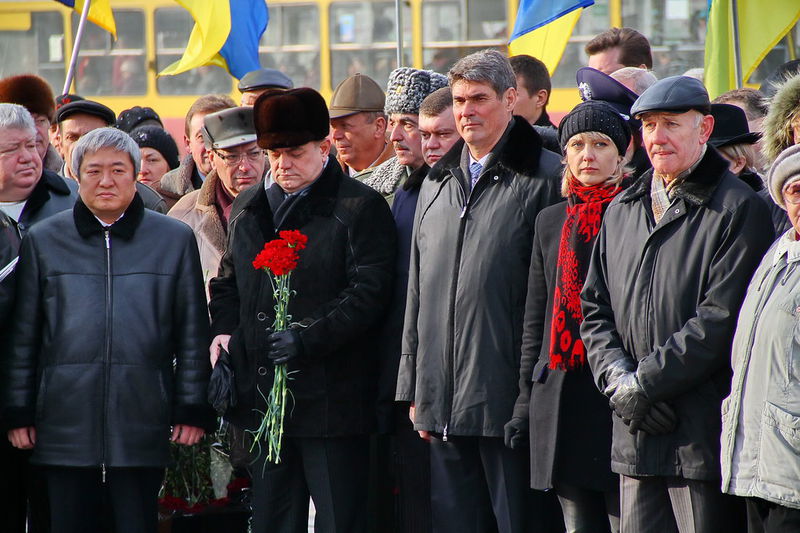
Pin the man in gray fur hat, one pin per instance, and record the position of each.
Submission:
(406, 90)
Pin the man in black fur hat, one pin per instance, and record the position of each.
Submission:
(469, 268)
(342, 286)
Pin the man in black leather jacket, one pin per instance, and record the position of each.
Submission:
(107, 358)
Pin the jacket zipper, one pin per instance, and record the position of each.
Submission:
(107, 356)
(453, 291)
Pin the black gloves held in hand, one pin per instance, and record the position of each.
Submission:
(660, 420)
(629, 400)
(516, 433)
(284, 346)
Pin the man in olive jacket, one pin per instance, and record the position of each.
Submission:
(473, 234)
(342, 286)
(661, 298)
(108, 345)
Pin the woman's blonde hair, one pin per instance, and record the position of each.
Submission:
(614, 179)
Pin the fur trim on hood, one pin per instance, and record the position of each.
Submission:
(777, 127)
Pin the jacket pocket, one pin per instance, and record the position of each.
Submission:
(785, 324)
(779, 455)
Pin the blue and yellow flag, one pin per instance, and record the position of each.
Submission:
(216, 41)
(99, 13)
(761, 27)
(543, 28)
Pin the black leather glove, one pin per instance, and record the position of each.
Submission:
(516, 433)
(629, 400)
(660, 420)
(283, 346)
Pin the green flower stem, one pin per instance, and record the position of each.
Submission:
(271, 426)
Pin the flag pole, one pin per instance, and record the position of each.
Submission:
(737, 51)
(76, 46)
(399, 29)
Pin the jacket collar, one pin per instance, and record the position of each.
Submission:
(125, 227)
(50, 182)
(518, 150)
(697, 188)
(207, 195)
(320, 200)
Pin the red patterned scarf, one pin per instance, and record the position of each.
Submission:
(585, 208)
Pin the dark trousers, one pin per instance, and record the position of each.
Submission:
(768, 517)
(332, 471)
(480, 486)
(660, 504)
(22, 492)
(588, 511)
(78, 498)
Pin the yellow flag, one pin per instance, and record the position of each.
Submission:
(99, 13)
(211, 29)
(548, 42)
(761, 26)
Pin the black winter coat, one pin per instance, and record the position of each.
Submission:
(343, 284)
(666, 297)
(100, 319)
(570, 421)
(467, 281)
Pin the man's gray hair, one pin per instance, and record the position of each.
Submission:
(13, 116)
(639, 79)
(100, 138)
(484, 66)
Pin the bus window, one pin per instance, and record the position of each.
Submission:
(363, 39)
(291, 43)
(173, 25)
(676, 30)
(36, 49)
(107, 67)
(449, 34)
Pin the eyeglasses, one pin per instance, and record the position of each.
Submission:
(233, 160)
(791, 193)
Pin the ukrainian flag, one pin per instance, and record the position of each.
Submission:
(99, 13)
(216, 41)
(543, 28)
(761, 27)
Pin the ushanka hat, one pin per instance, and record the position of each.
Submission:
(291, 117)
(408, 87)
(31, 92)
(595, 115)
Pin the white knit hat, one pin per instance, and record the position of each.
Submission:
(785, 170)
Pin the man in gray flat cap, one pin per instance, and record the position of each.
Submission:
(667, 277)
(258, 81)
(406, 90)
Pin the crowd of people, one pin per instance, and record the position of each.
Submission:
(497, 324)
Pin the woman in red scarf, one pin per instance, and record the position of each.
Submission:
(569, 419)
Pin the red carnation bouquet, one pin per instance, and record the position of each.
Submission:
(278, 258)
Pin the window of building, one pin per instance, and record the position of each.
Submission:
(291, 43)
(108, 67)
(364, 39)
(33, 42)
(452, 29)
(172, 29)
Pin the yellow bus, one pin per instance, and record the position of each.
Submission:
(320, 42)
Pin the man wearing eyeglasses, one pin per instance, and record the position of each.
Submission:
(236, 164)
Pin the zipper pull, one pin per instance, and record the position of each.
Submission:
(463, 211)
(108, 240)
(103, 465)
(444, 433)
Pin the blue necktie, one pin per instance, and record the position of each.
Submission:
(475, 172)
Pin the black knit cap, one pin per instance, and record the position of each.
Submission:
(159, 140)
(595, 115)
(136, 117)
